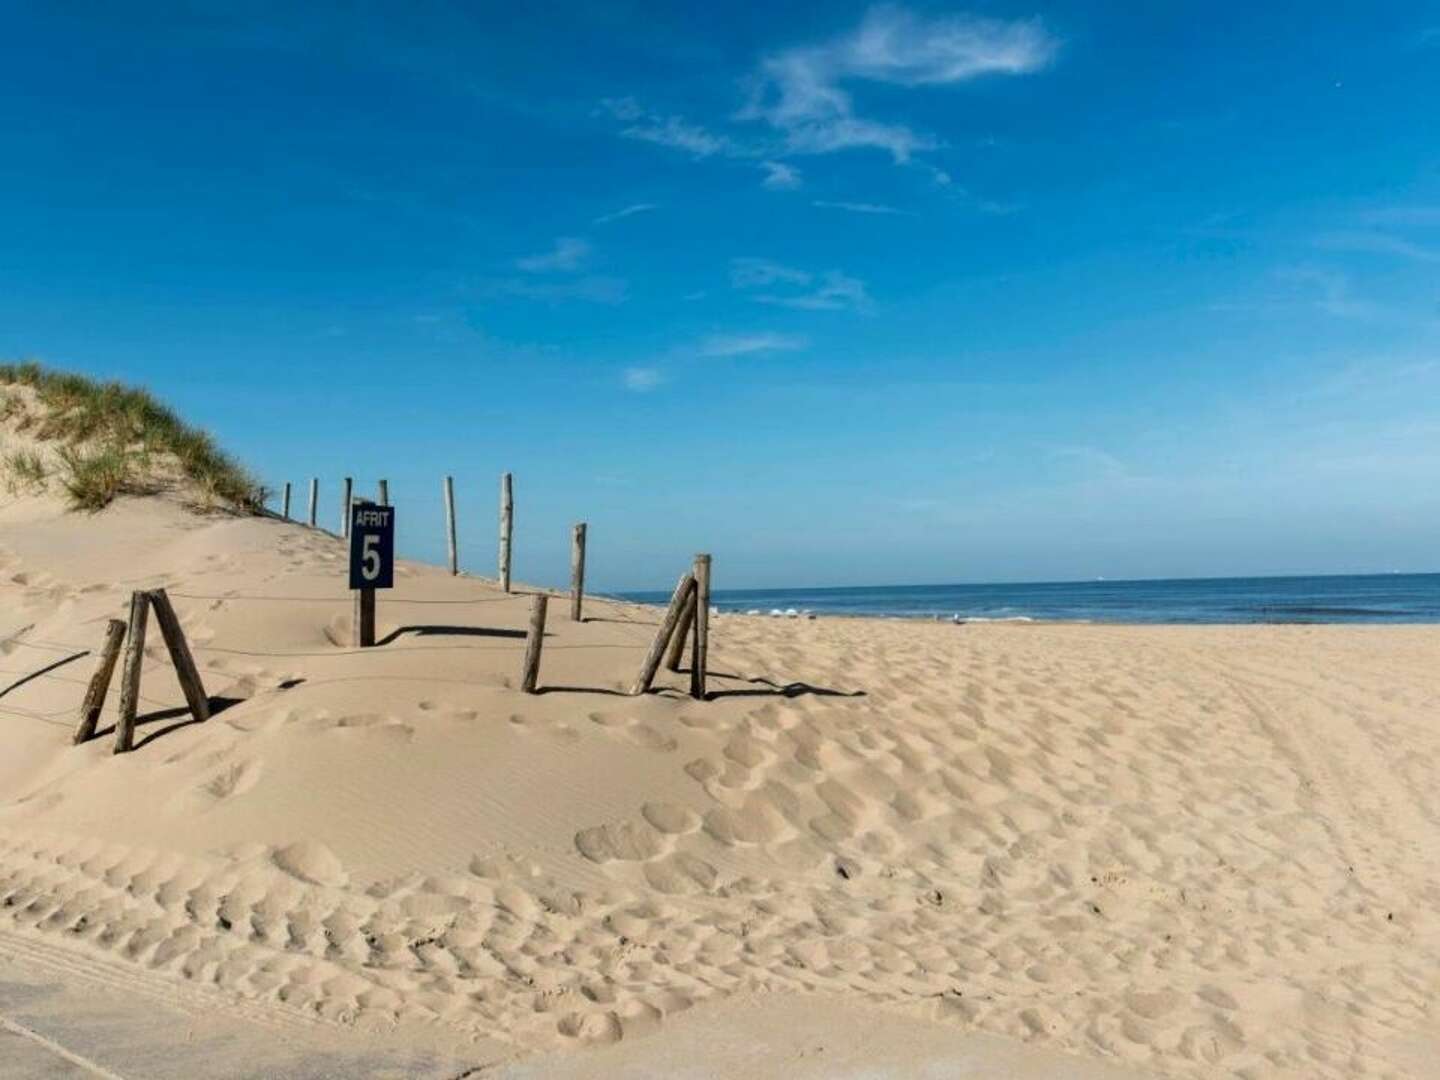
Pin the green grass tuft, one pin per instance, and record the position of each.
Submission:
(113, 434)
(24, 469)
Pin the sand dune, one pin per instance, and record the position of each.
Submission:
(1192, 851)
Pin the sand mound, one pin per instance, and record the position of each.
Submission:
(1196, 851)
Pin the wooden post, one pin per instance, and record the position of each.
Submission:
(130, 674)
(364, 618)
(530, 673)
(507, 522)
(100, 681)
(701, 647)
(185, 669)
(682, 631)
(384, 492)
(285, 505)
(450, 524)
(577, 571)
(683, 591)
(345, 507)
(314, 498)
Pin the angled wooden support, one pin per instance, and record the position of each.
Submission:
(676, 652)
(530, 673)
(100, 681)
(651, 665)
(185, 669)
(130, 674)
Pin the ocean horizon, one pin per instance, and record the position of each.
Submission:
(1336, 598)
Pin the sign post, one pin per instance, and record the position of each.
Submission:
(372, 562)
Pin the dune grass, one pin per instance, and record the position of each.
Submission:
(114, 440)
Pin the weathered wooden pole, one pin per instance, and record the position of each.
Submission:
(651, 664)
(577, 571)
(682, 631)
(450, 524)
(130, 674)
(100, 681)
(700, 649)
(507, 524)
(345, 500)
(384, 492)
(314, 498)
(364, 618)
(285, 504)
(185, 670)
(530, 673)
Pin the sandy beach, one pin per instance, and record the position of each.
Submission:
(1180, 851)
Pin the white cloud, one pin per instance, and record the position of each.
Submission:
(746, 344)
(800, 92)
(1419, 217)
(1377, 243)
(629, 211)
(830, 291)
(858, 207)
(672, 131)
(1329, 291)
(568, 254)
(593, 289)
(641, 379)
(779, 176)
(749, 273)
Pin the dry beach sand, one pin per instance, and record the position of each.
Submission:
(1151, 852)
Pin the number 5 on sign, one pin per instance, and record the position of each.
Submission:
(372, 546)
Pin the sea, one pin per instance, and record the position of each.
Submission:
(1359, 598)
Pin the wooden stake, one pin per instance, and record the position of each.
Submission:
(701, 647)
(185, 669)
(285, 506)
(384, 492)
(364, 618)
(314, 498)
(683, 591)
(530, 673)
(682, 631)
(130, 674)
(577, 571)
(100, 681)
(345, 507)
(450, 524)
(507, 523)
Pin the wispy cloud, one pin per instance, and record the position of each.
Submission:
(801, 93)
(859, 207)
(641, 379)
(779, 176)
(672, 131)
(803, 290)
(1419, 217)
(1374, 242)
(1330, 291)
(749, 273)
(746, 344)
(629, 211)
(569, 254)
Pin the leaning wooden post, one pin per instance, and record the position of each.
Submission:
(577, 571)
(345, 501)
(683, 591)
(314, 498)
(507, 522)
(185, 669)
(530, 673)
(100, 681)
(450, 524)
(682, 631)
(285, 505)
(701, 646)
(384, 492)
(130, 675)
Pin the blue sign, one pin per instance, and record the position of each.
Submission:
(372, 546)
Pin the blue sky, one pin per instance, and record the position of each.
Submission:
(849, 294)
